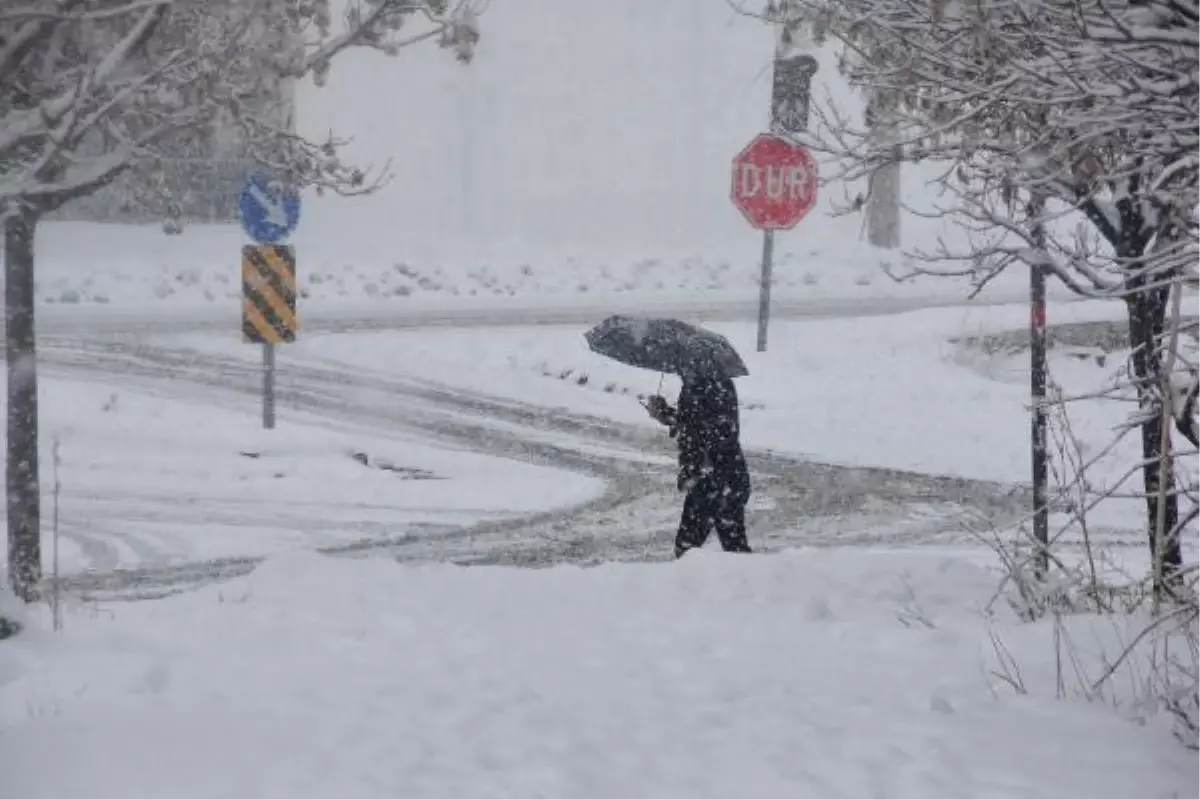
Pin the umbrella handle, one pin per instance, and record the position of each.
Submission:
(661, 376)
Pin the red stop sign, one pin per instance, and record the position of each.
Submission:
(774, 182)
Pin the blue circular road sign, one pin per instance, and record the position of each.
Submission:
(269, 209)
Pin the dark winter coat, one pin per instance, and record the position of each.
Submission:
(706, 425)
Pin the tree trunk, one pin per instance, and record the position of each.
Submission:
(883, 185)
(1147, 317)
(21, 474)
(883, 203)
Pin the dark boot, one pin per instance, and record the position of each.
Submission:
(696, 520)
(731, 525)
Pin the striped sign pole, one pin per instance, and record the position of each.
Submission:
(269, 308)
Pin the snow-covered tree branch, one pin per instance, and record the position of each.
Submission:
(89, 90)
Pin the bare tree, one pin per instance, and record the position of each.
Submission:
(91, 90)
(1068, 134)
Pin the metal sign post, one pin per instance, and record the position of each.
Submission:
(764, 288)
(1037, 372)
(268, 408)
(269, 212)
(1037, 385)
(791, 92)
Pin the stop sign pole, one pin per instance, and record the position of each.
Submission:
(764, 289)
(774, 185)
(775, 179)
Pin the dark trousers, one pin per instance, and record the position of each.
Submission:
(709, 506)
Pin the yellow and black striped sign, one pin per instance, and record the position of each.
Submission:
(268, 293)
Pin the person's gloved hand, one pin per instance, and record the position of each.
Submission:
(659, 409)
(690, 477)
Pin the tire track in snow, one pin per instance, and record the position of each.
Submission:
(797, 502)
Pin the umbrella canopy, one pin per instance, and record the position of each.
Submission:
(666, 345)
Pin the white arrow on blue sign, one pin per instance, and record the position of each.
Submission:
(269, 209)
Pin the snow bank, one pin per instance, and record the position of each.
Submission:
(809, 674)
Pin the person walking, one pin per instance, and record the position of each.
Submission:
(712, 468)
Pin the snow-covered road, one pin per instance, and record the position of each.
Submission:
(797, 501)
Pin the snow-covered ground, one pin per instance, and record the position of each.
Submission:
(899, 391)
(151, 480)
(556, 171)
(811, 674)
(166, 472)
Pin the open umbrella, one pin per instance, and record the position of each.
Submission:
(666, 345)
